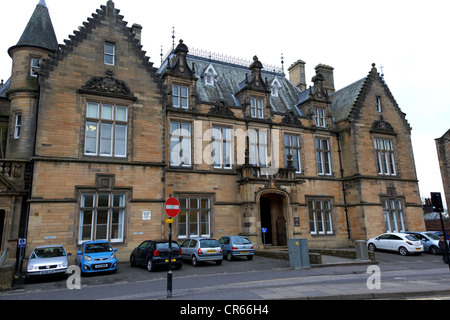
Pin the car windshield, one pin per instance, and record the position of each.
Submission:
(165, 245)
(432, 236)
(209, 243)
(50, 252)
(241, 241)
(98, 247)
(411, 237)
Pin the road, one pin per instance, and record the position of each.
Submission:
(262, 278)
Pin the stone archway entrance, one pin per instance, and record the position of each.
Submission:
(273, 218)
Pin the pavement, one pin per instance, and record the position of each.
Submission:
(321, 287)
(400, 288)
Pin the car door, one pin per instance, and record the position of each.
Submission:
(140, 252)
(395, 242)
(79, 255)
(149, 250)
(221, 240)
(224, 242)
(383, 242)
(185, 249)
(192, 248)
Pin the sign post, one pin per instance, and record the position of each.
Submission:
(264, 231)
(172, 208)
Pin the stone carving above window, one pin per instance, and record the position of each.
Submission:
(105, 182)
(382, 126)
(292, 119)
(108, 86)
(221, 109)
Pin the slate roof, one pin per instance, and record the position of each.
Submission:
(5, 88)
(39, 31)
(230, 79)
(343, 100)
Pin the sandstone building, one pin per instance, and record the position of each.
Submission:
(95, 138)
(443, 151)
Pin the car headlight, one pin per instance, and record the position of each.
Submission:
(112, 256)
(31, 267)
(87, 258)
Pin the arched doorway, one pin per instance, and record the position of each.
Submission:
(273, 218)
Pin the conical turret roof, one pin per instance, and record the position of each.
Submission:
(39, 31)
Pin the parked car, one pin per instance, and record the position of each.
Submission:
(96, 256)
(156, 253)
(47, 260)
(440, 234)
(201, 249)
(400, 242)
(429, 240)
(233, 246)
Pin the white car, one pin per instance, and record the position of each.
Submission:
(402, 243)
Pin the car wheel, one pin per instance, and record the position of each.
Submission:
(229, 256)
(249, 258)
(219, 262)
(133, 261)
(194, 261)
(434, 250)
(150, 266)
(403, 251)
(372, 247)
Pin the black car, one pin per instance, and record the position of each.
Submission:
(156, 253)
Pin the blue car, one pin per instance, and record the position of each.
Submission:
(96, 256)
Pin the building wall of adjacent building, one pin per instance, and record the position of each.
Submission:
(443, 151)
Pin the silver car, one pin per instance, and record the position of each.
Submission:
(429, 240)
(234, 246)
(201, 249)
(47, 260)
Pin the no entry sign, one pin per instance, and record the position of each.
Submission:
(172, 207)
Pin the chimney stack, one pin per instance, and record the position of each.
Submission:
(327, 73)
(297, 74)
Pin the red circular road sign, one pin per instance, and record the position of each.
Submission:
(172, 207)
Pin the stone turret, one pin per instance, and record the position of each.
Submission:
(38, 40)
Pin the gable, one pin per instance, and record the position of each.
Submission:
(105, 24)
(349, 102)
(78, 74)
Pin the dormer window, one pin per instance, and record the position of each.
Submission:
(275, 88)
(210, 76)
(110, 53)
(180, 96)
(256, 108)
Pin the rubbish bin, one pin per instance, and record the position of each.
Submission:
(361, 250)
(298, 253)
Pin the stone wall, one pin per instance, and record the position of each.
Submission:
(6, 274)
